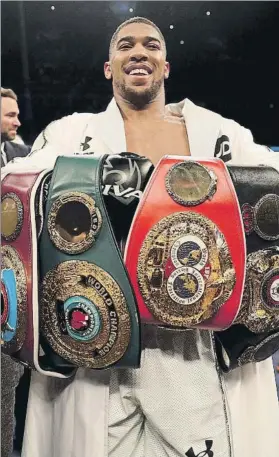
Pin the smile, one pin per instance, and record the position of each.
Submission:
(138, 70)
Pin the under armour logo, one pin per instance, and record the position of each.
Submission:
(206, 452)
(223, 149)
(85, 145)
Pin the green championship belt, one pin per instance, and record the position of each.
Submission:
(88, 313)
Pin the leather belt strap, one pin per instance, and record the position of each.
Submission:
(185, 256)
(238, 346)
(88, 311)
(258, 194)
(255, 335)
(19, 264)
(257, 190)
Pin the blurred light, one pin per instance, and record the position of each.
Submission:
(271, 105)
(181, 42)
(171, 26)
(208, 13)
(131, 10)
(52, 8)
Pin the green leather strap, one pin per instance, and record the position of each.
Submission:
(96, 278)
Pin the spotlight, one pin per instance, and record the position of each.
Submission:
(52, 8)
(131, 10)
(171, 26)
(181, 41)
(208, 13)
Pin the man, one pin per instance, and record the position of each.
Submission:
(178, 403)
(9, 125)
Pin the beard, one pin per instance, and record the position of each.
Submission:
(139, 99)
(5, 137)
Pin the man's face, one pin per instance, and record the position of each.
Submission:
(9, 118)
(138, 64)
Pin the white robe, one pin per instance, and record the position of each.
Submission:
(73, 421)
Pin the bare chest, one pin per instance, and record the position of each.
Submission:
(154, 140)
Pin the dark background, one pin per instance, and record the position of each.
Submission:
(229, 62)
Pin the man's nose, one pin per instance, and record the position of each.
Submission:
(139, 54)
(17, 122)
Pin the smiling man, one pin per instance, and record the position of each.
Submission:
(140, 80)
(178, 402)
(138, 68)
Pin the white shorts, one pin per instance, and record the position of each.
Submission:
(172, 406)
(177, 404)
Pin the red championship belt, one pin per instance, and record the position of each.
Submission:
(22, 218)
(186, 249)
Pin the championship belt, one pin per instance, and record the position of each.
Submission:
(185, 257)
(256, 333)
(21, 223)
(88, 314)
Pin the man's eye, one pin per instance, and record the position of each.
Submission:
(125, 46)
(153, 46)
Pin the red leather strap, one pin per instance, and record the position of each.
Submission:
(19, 186)
(220, 211)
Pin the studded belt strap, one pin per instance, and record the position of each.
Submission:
(186, 250)
(19, 265)
(88, 312)
(256, 333)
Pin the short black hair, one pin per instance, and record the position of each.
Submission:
(135, 20)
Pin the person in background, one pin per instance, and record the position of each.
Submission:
(10, 148)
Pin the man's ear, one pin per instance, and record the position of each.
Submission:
(107, 70)
(167, 70)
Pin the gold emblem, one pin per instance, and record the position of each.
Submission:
(259, 310)
(185, 271)
(12, 216)
(190, 183)
(84, 315)
(74, 222)
(11, 260)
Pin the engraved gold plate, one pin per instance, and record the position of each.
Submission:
(11, 216)
(260, 304)
(84, 315)
(11, 260)
(185, 272)
(190, 183)
(74, 222)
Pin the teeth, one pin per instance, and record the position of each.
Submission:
(138, 71)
